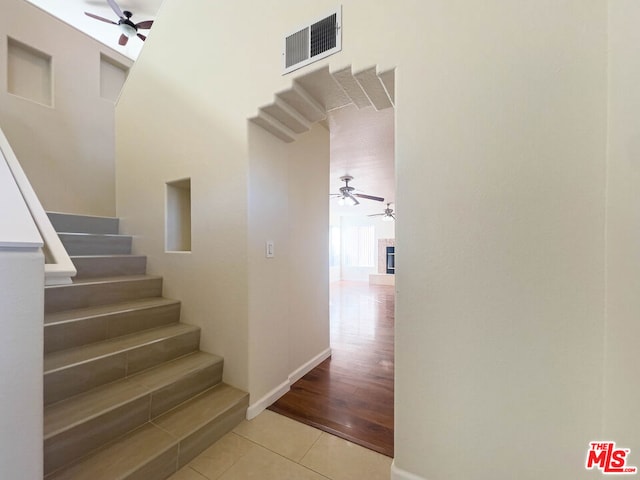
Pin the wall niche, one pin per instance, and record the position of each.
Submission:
(29, 73)
(178, 216)
(112, 77)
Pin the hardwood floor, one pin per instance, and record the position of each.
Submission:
(351, 394)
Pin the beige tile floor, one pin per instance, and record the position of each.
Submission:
(275, 447)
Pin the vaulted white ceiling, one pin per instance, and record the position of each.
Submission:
(362, 145)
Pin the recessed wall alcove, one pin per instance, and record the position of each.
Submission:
(112, 77)
(29, 73)
(178, 216)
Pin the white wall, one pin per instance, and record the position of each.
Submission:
(500, 285)
(21, 342)
(21, 347)
(622, 390)
(308, 287)
(288, 306)
(66, 150)
(500, 154)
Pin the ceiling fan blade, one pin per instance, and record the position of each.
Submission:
(102, 19)
(146, 25)
(369, 197)
(123, 40)
(376, 215)
(355, 200)
(141, 37)
(117, 10)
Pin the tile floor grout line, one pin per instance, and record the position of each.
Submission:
(197, 472)
(312, 445)
(226, 469)
(284, 457)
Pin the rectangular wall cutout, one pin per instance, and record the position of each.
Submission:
(178, 216)
(112, 78)
(29, 73)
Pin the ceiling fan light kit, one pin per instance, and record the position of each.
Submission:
(387, 215)
(124, 23)
(348, 194)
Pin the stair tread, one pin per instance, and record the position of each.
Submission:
(108, 255)
(103, 280)
(130, 452)
(81, 215)
(65, 316)
(67, 413)
(65, 358)
(87, 234)
(118, 278)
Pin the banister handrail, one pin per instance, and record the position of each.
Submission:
(58, 268)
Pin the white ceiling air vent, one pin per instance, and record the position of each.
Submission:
(313, 42)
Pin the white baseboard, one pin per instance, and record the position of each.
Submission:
(398, 474)
(300, 372)
(261, 404)
(258, 407)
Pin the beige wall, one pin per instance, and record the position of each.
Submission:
(622, 390)
(501, 252)
(288, 306)
(500, 151)
(66, 150)
(308, 231)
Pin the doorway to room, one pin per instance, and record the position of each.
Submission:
(351, 394)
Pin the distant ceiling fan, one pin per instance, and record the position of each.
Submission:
(348, 194)
(127, 27)
(387, 216)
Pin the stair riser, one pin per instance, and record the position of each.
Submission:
(94, 267)
(160, 467)
(96, 329)
(152, 355)
(63, 222)
(81, 440)
(74, 296)
(200, 440)
(96, 244)
(172, 395)
(76, 379)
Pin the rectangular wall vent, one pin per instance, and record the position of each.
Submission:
(313, 42)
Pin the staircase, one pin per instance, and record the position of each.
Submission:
(127, 392)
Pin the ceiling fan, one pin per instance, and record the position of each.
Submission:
(348, 194)
(127, 27)
(388, 214)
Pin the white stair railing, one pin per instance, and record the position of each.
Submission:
(59, 268)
